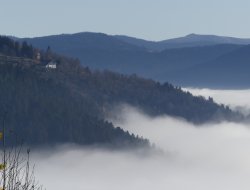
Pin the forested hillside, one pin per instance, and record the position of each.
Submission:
(69, 103)
(42, 110)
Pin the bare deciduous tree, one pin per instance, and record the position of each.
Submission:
(15, 169)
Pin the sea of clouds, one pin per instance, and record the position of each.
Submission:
(235, 99)
(211, 156)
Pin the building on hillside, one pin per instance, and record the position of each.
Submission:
(51, 65)
(38, 56)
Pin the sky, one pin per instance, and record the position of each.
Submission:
(148, 19)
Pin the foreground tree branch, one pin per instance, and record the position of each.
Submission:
(15, 170)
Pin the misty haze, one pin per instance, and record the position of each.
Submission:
(124, 95)
(188, 156)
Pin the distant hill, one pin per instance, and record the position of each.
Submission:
(230, 70)
(122, 42)
(80, 41)
(191, 40)
(181, 61)
(149, 45)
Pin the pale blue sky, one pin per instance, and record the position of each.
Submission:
(148, 19)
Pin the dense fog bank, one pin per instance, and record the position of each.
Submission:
(235, 99)
(211, 156)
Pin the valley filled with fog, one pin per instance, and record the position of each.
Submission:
(211, 156)
(235, 99)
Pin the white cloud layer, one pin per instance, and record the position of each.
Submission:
(235, 99)
(212, 156)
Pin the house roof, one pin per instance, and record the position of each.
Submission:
(52, 63)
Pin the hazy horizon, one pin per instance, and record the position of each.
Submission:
(128, 35)
(151, 20)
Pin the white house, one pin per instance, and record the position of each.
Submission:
(51, 65)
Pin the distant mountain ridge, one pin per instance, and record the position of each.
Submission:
(190, 40)
(91, 40)
(181, 61)
(126, 42)
(230, 69)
